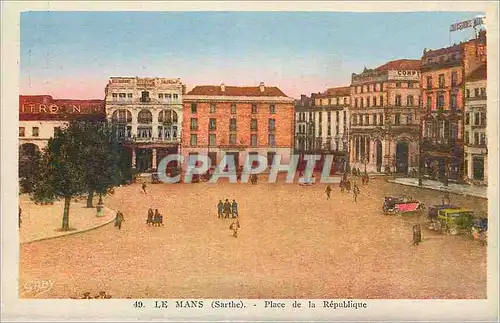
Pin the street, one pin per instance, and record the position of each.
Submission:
(293, 243)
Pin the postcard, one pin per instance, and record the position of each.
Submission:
(267, 161)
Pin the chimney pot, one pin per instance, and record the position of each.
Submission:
(262, 86)
(222, 87)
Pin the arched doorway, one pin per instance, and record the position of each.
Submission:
(402, 157)
(379, 155)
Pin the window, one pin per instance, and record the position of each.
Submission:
(233, 108)
(483, 118)
(194, 124)
(329, 116)
(467, 93)
(212, 139)
(320, 115)
(213, 107)
(254, 108)
(345, 117)
(253, 140)
(358, 89)
(467, 119)
(429, 102)
(374, 118)
(144, 96)
(476, 118)
(381, 100)
(272, 140)
(367, 119)
(232, 125)
(368, 101)
(362, 102)
(374, 101)
(440, 101)
(476, 138)
(397, 118)
(345, 100)
(381, 119)
(232, 139)
(429, 82)
(160, 96)
(441, 80)
(454, 79)
(328, 131)
(410, 85)
(194, 108)
(114, 95)
(272, 109)
(122, 95)
(253, 125)
(272, 124)
(409, 100)
(398, 85)
(22, 132)
(453, 102)
(35, 131)
(168, 96)
(337, 129)
(356, 102)
(467, 138)
(361, 120)
(175, 96)
(482, 138)
(398, 100)
(354, 120)
(483, 92)
(476, 92)
(212, 124)
(194, 140)
(409, 118)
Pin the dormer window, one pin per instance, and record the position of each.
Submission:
(145, 96)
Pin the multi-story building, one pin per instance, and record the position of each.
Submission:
(238, 121)
(147, 114)
(41, 115)
(331, 121)
(443, 72)
(304, 124)
(384, 134)
(476, 152)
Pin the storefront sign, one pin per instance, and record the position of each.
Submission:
(404, 75)
(121, 80)
(32, 106)
(466, 24)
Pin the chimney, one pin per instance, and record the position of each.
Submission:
(262, 87)
(223, 87)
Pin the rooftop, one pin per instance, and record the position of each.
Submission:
(223, 90)
(400, 64)
(478, 74)
(337, 91)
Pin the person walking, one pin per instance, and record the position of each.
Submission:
(119, 219)
(149, 220)
(235, 227)
(220, 209)
(328, 190)
(144, 188)
(227, 209)
(417, 234)
(157, 218)
(234, 208)
(356, 192)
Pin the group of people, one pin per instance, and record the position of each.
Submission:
(227, 209)
(345, 185)
(154, 218)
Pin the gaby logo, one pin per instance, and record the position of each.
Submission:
(254, 165)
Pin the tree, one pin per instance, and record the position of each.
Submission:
(62, 174)
(103, 158)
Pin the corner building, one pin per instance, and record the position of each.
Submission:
(147, 115)
(385, 116)
(444, 72)
(237, 121)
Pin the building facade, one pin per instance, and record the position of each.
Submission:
(476, 151)
(236, 121)
(147, 115)
(443, 74)
(385, 116)
(304, 125)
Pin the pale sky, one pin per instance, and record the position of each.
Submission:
(72, 54)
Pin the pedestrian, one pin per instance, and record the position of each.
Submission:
(149, 221)
(328, 190)
(417, 234)
(227, 209)
(119, 219)
(446, 198)
(234, 208)
(144, 188)
(20, 221)
(161, 220)
(342, 186)
(157, 218)
(220, 209)
(356, 192)
(234, 227)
